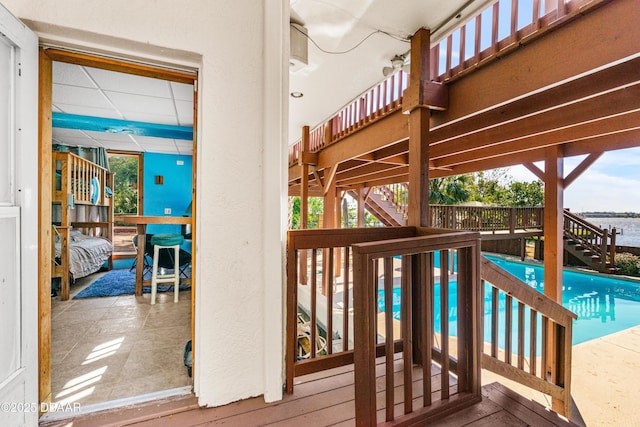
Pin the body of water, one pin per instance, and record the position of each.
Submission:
(604, 304)
(628, 229)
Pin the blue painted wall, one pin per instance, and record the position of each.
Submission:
(175, 193)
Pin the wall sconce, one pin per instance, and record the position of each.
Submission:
(159, 179)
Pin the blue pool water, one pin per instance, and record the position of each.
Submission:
(604, 305)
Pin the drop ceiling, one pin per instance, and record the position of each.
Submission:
(86, 91)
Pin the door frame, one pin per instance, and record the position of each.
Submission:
(47, 56)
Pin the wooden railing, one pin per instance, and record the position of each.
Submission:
(465, 49)
(379, 101)
(396, 194)
(388, 265)
(388, 296)
(472, 44)
(487, 218)
(311, 316)
(598, 241)
(514, 335)
(439, 320)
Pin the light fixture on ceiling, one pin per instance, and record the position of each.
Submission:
(397, 63)
(297, 94)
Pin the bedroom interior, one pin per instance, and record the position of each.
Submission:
(120, 346)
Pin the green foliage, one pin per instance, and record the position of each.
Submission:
(125, 182)
(449, 190)
(628, 264)
(526, 193)
(494, 187)
(489, 187)
(315, 206)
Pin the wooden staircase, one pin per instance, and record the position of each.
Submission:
(590, 245)
(383, 203)
(593, 246)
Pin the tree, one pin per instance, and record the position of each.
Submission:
(489, 186)
(125, 169)
(315, 206)
(450, 190)
(526, 193)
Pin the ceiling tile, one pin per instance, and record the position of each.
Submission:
(129, 103)
(182, 91)
(185, 112)
(184, 147)
(74, 95)
(129, 83)
(70, 74)
(87, 111)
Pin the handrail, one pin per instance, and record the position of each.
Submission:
(599, 241)
(468, 47)
(429, 323)
(370, 106)
(554, 334)
(487, 218)
(454, 55)
(334, 334)
(323, 244)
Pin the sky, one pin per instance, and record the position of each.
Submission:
(611, 184)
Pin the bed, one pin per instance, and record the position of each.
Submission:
(82, 216)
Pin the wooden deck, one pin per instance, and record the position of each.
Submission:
(323, 399)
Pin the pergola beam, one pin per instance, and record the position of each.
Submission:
(583, 166)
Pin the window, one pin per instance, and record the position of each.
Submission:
(127, 196)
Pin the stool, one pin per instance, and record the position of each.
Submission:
(166, 241)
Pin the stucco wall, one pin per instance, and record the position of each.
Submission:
(240, 162)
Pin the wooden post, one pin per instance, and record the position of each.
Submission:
(329, 221)
(612, 247)
(553, 251)
(553, 223)
(419, 114)
(418, 214)
(364, 352)
(340, 215)
(362, 197)
(304, 201)
(603, 249)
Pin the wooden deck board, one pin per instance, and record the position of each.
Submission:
(324, 400)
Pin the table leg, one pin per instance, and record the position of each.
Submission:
(142, 236)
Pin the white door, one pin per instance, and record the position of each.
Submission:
(18, 223)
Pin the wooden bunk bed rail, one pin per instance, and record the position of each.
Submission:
(76, 175)
(79, 190)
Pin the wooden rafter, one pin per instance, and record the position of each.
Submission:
(535, 170)
(578, 170)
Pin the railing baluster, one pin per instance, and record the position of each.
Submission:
(533, 341)
(330, 291)
(444, 323)
(406, 315)
(520, 335)
(495, 311)
(345, 303)
(389, 338)
(426, 276)
(544, 349)
(314, 312)
(507, 328)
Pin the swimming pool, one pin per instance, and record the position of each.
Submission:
(604, 305)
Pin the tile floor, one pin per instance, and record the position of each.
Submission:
(117, 347)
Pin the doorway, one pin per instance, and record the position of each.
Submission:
(118, 348)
